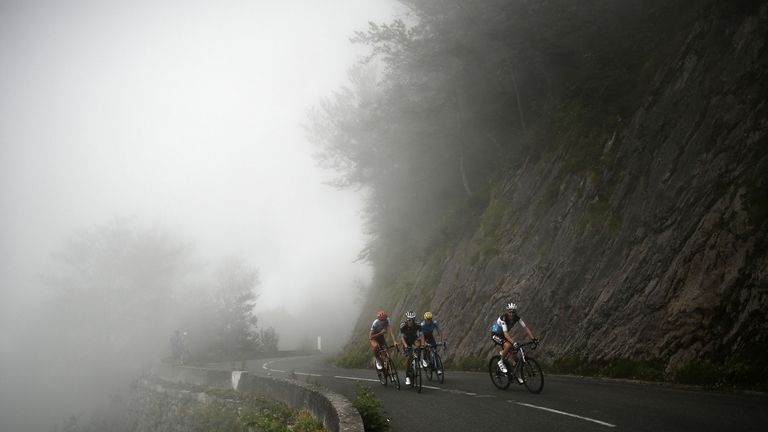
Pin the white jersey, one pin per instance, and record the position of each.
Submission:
(504, 324)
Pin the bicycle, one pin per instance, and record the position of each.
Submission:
(414, 369)
(434, 362)
(526, 371)
(388, 371)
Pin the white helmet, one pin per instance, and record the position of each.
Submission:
(512, 307)
(410, 315)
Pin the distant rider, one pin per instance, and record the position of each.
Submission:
(428, 327)
(500, 333)
(409, 336)
(379, 327)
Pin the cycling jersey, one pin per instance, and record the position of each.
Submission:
(410, 333)
(379, 325)
(428, 327)
(504, 323)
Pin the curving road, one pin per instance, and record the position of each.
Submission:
(468, 401)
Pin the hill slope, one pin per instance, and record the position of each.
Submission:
(643, 239)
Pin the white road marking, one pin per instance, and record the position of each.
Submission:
(264, 366)
(355, 378)
(564, 413)
(308, 374)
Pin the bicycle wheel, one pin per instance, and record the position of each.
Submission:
(499, 378)
(429, 356)
(411, 372)
(393, 374)
(381, 373)
(439, 368)
(533, 377)
(417, 375)
(382, 376)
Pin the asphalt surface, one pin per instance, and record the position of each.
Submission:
(468, 401)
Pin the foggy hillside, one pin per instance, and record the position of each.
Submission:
(600, 163)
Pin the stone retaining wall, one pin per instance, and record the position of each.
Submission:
(334, 410)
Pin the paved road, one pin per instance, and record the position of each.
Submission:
(468, 401)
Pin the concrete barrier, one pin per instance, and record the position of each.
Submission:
(334, 410)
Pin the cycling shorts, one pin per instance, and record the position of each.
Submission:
(380, 340)
(498, 338)
(430, 339)
(409, 341)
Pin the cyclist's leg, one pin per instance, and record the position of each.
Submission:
(376, 345)
(430, 340)
(501, 341)
(506, 348)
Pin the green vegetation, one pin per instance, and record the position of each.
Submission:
(646, 370)
(490, 227)
(739, 370)
(743, 370)
(356, 354)
(232, 411)
(370, 409)
(469, 363)
(573, 364)
(281, 418)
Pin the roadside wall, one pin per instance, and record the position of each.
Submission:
(334, 410)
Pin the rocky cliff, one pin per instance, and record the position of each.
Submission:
(653, 251)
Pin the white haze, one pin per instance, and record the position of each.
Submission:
(182, 114)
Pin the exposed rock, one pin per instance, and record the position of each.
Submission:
(660, 255)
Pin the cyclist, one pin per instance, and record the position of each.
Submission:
(428, 327)
(379, 327)
(409, 336)
(501, 336)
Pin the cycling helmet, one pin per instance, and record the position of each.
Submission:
(428, 315)
(512, 307)
(381, 315)
(410, 315)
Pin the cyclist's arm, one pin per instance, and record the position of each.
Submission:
(527, 330)
(372, 334)
(392, 336)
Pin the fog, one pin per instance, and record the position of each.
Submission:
(182, 118)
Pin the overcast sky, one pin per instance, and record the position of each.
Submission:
(180, 113)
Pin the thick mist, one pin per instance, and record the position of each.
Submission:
(151, 156)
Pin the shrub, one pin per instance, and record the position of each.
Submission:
(370, 409)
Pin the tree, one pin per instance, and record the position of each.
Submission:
(235, 297)
(269, 339)
(113, 291)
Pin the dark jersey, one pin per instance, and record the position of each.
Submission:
(409, 332)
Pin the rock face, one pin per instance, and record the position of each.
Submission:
(659, 254)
